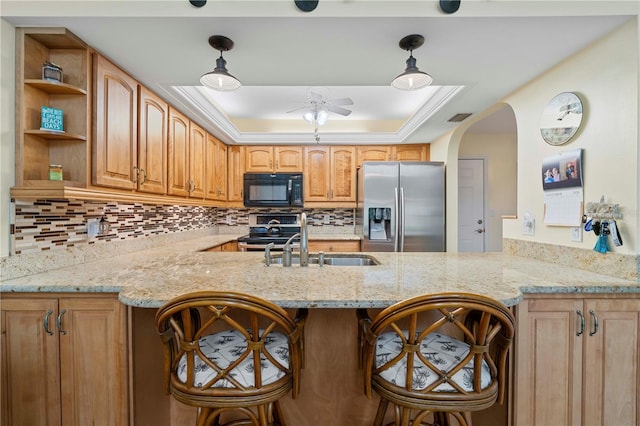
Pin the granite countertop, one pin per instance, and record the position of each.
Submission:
(148, 278)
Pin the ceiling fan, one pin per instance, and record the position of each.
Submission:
(318, 106)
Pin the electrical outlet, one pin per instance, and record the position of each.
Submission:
(528, 226)
(326, 219)
(229, 222)
(93, 227)
(576, 234)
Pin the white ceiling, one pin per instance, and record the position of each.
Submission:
(489, 47)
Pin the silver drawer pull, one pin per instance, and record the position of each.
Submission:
(579, 333)
(60, 330)
(595, 322)
(46, 322)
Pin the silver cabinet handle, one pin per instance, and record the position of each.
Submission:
(144, 176)
(579, 333)
(60, 330)
(595, 322)
(46, 322)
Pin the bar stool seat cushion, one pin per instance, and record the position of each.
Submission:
(225, 347)
(441, 350)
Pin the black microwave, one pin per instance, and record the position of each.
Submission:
(273, 190)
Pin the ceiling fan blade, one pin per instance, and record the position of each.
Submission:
(339, 110)
(298, 109)
(315, 97)
(341, 101)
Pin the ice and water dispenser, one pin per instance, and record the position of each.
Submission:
(379, 223)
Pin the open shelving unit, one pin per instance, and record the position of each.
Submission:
(36, 149)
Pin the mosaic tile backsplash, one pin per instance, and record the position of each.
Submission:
(57, 224)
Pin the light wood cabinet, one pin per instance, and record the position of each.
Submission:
(153, 119)
(578, 361)
(115, 142)
(413, 152)
(187, 156)
(267, 159)
(36, 149)
(235, 162)
(330, 174)
(334, 245)
(416, 152)
(216, 169)
(373, 153)
(197, 160)
(229, 246)
(64, 360)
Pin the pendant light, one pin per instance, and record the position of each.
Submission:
(412, 78)
(219, 78)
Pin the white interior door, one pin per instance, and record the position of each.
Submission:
(471, 220)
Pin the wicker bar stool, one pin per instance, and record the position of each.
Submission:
(231, 355)
(449, 377)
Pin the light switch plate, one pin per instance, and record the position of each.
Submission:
(529, 226)
(326, 219)
(576, 234)
(93, 228)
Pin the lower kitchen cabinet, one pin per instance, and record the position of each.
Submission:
(333, 245)
(578, 361)
(64, 360)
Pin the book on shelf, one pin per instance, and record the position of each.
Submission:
(52, 119)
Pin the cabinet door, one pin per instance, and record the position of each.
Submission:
(343, 174)
(221, 171)
(197, 160)
(373, 153)
(178, 152)
(235, 162)
(334, 245)
(548, 363)
(30, 363)
(211, 184)
(152, 143)
(93, 361)
(411, 152)
(288, 159)
(612, 362)
(317, 173)
(259, 159)
(116, 128)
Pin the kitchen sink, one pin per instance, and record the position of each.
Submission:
(341, 259)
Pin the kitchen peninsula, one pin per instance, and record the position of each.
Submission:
(332, 388)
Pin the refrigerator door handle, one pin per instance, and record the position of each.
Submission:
(397, 230)
(402, 221)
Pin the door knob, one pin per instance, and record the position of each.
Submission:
(479, 231)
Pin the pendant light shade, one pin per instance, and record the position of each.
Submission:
(412, 78)
(219, 78)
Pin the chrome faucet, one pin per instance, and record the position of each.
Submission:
(304, 244)
(304, 241)
(267, 254)
(286, 250)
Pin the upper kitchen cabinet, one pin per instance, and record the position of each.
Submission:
(268, 159)
(115, 143)
(216, 169)
(187, 156)
(130, 141)
(373, 153)
(414, 152)
(418, 152)
(235, 164)
(330, 174)
(153, 120)
(37, 148)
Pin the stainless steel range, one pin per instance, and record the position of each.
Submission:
(270, 228)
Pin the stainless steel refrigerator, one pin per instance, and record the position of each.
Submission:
(401, 206)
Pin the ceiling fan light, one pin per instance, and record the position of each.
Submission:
(322, 117)
(412, 78)
(219, 78)
(308, 116)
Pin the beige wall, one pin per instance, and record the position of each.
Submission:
(7, 123)
(605, 76)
